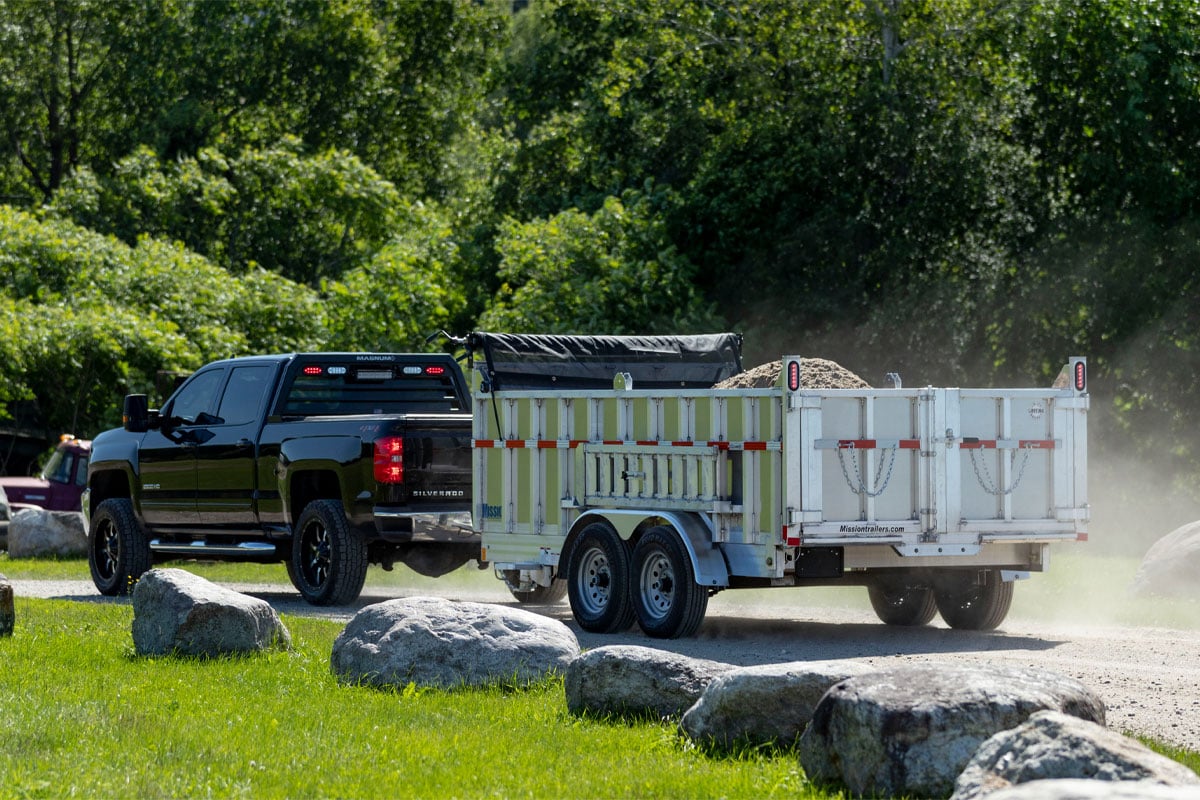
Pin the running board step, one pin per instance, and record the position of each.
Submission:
(244, 550)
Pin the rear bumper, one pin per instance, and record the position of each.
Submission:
(430, 526)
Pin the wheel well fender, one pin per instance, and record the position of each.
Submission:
(311, 485)
(708, 562)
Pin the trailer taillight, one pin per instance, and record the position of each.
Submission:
(793, 375)
(1080, 376)
(389, 459)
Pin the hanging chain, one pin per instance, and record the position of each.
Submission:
(984, 476)
(858, 486)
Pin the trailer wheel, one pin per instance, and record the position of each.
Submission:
(898, 601)
(118, 552)
(538, 595)
(668, 601)
(598, 580)
(973, 601)
(329, 560)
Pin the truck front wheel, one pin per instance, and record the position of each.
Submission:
(329, 560)
(902, 602)
(118, 553)
(598, 580)
(668, 601)
(974, 601)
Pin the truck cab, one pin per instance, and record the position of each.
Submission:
(59, 485)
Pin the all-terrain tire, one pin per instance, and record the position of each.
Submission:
(118, 551)
(329, 559)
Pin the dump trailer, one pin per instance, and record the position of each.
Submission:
(609, 469)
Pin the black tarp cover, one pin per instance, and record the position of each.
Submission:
(547, 361)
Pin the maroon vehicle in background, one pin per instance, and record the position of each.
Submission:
(60, 485)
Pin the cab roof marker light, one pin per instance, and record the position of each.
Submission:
(412, 370)
(337, 370)
(435, 370)
(312, 369)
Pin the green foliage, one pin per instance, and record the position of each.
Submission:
(403, 295)
(613, 272)
(305, 217)
(92, 318)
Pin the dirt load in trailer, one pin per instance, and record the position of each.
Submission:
(608, 469)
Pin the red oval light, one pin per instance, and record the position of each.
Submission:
(793, 375)
(435, 370)
(1080, 376)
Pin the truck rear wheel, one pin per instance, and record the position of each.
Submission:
(974, 601)
(329, 560)
(118, 552)
(898, 601)
(538, 595)
(667, 600)
(598, 580)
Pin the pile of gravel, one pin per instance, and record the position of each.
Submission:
(815, 373)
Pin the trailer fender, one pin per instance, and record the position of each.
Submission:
(708, 562)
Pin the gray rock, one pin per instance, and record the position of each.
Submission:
(637, 681)
(766, 704)
(1171, 565)
(911, 730)
(176, 612)
(434, 642)
(1077, 789)
(1051, 745)
(35, 533)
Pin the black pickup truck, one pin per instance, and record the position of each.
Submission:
(324, 461)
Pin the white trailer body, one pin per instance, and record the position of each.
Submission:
(645, 502)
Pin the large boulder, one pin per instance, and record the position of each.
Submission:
(628, 680)
(767, 704)
(36, 533)
(1051, 745)
(1078, 789)
(1171, 567)
(442, 643)
(176, 612)
(911, 730)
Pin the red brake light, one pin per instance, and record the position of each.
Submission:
(793, 375)
(435, 370)
(1080, 376)
(389, 459)
(312, 370)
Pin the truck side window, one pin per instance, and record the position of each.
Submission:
(244, 394)
(196, 396)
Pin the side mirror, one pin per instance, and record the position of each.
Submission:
(135, 416)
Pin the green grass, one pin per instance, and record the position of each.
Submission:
(82, 715)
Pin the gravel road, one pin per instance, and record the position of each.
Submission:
(1148, 677)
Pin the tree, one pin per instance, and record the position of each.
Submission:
(611, 272)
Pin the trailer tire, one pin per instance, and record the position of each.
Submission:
(329, 559)
(538, 595)
(118, 551)
(973, 601)
(666, 598)
(898, 601)
(598, 580)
